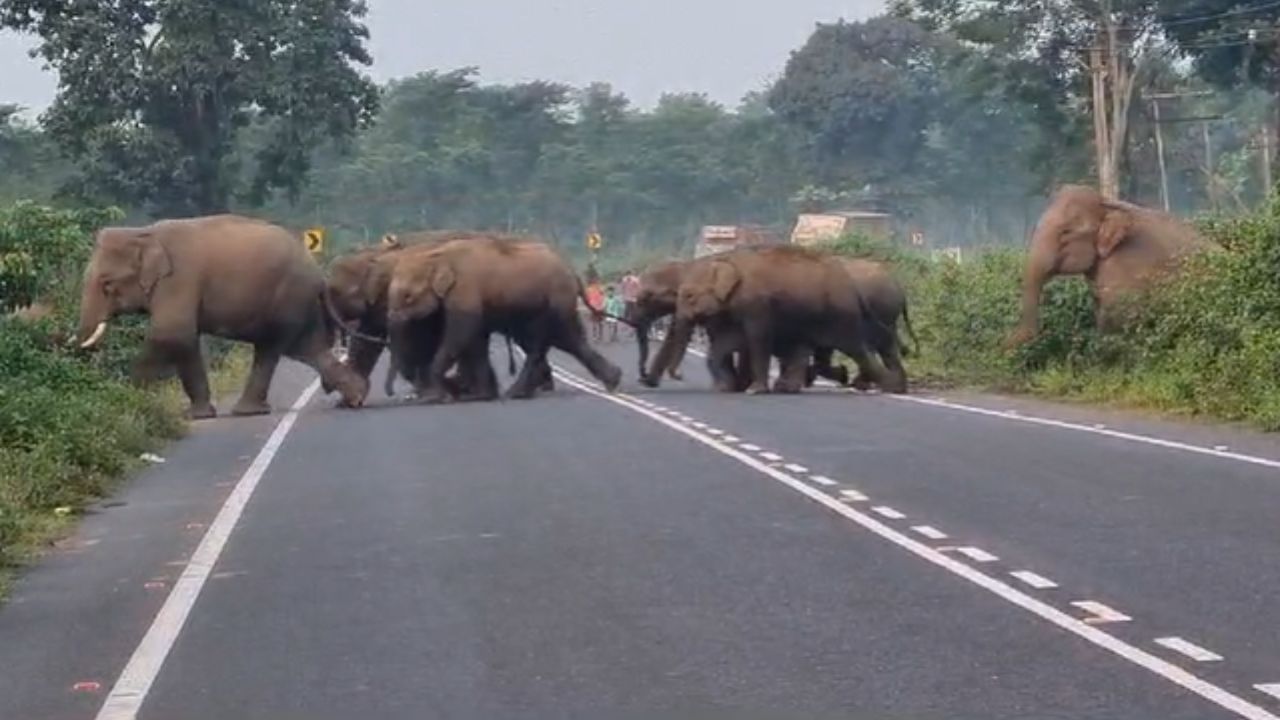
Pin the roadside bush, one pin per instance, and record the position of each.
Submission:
(69, 424)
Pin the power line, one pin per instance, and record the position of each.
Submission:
(1229, 13)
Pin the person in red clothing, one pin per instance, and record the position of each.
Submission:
(595, 301)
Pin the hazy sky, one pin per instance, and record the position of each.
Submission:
(642, 47)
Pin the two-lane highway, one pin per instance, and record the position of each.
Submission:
(668, 552)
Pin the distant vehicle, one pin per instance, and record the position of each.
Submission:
(720, 238)
(816, 228)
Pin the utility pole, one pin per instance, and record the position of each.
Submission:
(1266, 158)
(1209, 185)
(1101, 131)
(1164, 171)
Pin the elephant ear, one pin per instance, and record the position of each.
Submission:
(443, 280)
(724, 280)
(154, 263)
(1117, 224)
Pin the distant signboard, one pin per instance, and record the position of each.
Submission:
(720, 238)
(953, 254)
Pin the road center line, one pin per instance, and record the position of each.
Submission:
(1156, 665)
(1101, 613)
(1038, 582)
(1191, 650)
(131, 688)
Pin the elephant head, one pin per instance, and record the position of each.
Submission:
(418, 287)
(123, 273)
(706, 290)
(1077, 231)
(659, 288)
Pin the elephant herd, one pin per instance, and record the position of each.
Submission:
(434, 299)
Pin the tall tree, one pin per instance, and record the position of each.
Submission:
(153, 93)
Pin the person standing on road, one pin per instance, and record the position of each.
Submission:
(614, 308)
(595, 303)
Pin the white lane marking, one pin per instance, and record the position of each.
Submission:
(823, 480)
(930, 532)
(1156, 665)
(852, 496)
(888, 512)
(699, 425)
(731, 438)
(1038, 582)
(750, 447)
(715, 431)
(1191, 650)
(1272, 689)
(1063, 425)
(1100, 613)
(131, 688)
(973, 553)
(792, 467)
(770, 456)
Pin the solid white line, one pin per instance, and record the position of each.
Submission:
(1101, 613)
(930, 532)
(1131, 437)
(131, 688)
(1191, 650)
(1272, 689)
(1038, 582)
(823, 480)
(1156, 665)
(852, 496)
(771, 457)
(886, 511)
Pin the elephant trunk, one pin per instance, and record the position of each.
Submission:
(94, 314)
(1039, 270)
(673, 347)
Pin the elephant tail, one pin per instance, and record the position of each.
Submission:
(511, 357)
(334, 323)
(906, 320)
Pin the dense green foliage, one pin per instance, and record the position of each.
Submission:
(153, 95)
(68, 423)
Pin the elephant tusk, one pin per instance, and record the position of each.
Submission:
(95, 337)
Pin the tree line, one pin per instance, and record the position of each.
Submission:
(956, 116)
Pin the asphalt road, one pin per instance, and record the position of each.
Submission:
(667, 553)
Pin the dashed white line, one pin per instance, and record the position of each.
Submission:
(1191, 650)
(823, 480)
(700, 425)
(1131, 653)
(792, 467)
(749, 447)
(854, 496)
(888, 512)
(715, 431)
(1272, 689)
(731, 438)
(974, 554)
(771, 456)
(930, 532)
(1038, 582)
(1100, 613)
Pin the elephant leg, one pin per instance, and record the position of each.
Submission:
(531, 373)
(854, 346)
(572, 340)
(481, 382)
(824, 366)
(794, 366)
(253, 400)
(389, 382)
(720, 363)
(758, 355)
(460, 331)
(195, 381)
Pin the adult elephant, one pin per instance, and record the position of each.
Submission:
(225, 275)
(886, 304)
(480, 285)
(1118, 247)
(783, 300)
(356, 294)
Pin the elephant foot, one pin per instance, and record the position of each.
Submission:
(861, 384)
(246, 408)
(758, 389)
(650, 381)
(548, 385)
(434, 397)
(675, 374)
(727, 388)
(612, 378)
(783, 387)
(519, 393)
(201, 412)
